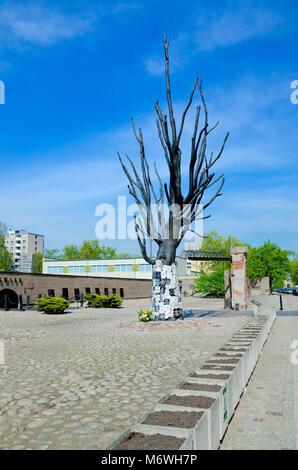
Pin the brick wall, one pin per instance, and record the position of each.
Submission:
(20, 283)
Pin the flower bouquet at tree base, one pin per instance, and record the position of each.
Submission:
(146, 315)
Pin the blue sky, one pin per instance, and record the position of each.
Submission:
(75, 72)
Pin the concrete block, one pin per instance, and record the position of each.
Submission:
(214, 414)
(223, 394)
(180, 433)
(200, 432)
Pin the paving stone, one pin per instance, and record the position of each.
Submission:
(86, 378)
(35, 424)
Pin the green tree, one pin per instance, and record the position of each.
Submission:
(217, 243)
(37, 263)
(90, 249)
(5, 258)
(294, 270)
(212, 284)
(268, 260)
(52, 254)
(125, 255)
(71, 252)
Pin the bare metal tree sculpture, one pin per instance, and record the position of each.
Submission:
(167, 216)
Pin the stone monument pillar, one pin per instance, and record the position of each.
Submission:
(166, 297)
(239, 277)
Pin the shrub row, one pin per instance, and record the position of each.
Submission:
(103, 301)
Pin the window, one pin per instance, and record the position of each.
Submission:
(51, 293)
(121, 292)
(77, 294)
(55, 269)
(65, 293)
(114, 290)
(97, 291)
(125, 267)
(106, 290)
(99, 268)
(145, 267)
(76, 269)
(117, 268)
(88, 290)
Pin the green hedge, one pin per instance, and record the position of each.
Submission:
(103, 301)
(52, 305)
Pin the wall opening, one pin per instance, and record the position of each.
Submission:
(12, 298)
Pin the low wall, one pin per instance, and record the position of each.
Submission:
(258, 286)
(186, 284)
(34, 284)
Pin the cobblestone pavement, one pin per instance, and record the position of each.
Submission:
(267, 416)
(75, 381)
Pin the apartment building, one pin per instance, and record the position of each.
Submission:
(22, 246)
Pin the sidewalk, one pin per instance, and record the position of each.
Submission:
(267, 416)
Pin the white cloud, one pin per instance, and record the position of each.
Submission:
(235, 26)
(122, 7)
(240, 22)
(257, 214)
(35, 24)
(155, 65)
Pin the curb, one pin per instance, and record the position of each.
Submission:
(230, 368)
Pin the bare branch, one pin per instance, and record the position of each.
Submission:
(172, 120)
(186, 109)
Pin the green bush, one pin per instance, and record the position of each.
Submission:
(103, 301)
(53, 305)
(212, 284)
(90, 298)
(114, 301)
